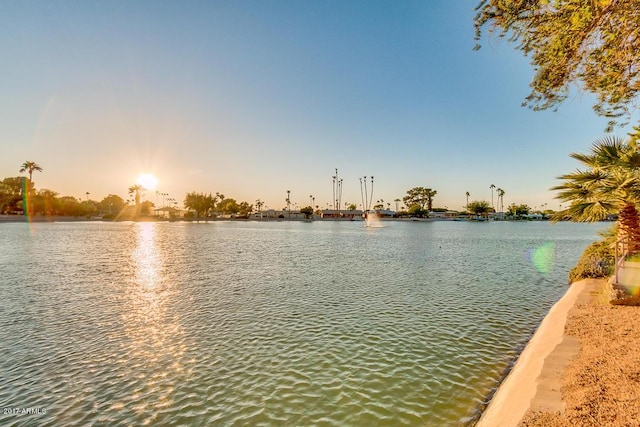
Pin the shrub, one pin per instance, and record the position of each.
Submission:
(597, 260)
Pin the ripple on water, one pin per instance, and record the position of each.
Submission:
(268, 323)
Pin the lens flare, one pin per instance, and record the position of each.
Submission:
(542, 257)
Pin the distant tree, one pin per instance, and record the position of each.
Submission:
(5, 198)
(47, 202)
(592, 44)
(70, 206)
(245, 209)
(146, 208)
(480, 207)
(30, 167)
(11, 190)
(416, 210)
(352, 207)
(500, 193)
(420, 196)
(307, 211)
(199, 202)
(218, 201)
(491, 187)
(519, 210)
(136, 190)
(16, 185)
(111, 205)
(229, 206)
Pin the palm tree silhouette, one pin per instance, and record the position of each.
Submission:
(500, 193)
(492, 186)
(29, 167)
(135, 189)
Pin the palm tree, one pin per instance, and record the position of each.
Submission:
(29, 167)
(288, 200)
(500, 193)
(467, 194)
(492, 186)
(135, 189)
(609, 184)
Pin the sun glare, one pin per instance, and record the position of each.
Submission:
(148, 181)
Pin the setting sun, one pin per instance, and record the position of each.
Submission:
(148, 181)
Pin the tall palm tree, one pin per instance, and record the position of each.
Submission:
(492, 186)
(135, 189)
(609, 184)
(29, 167)
(500, 193)
(467, 194)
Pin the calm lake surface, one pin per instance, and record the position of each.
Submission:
(270, 323)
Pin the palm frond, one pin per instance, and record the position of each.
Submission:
(588, 211)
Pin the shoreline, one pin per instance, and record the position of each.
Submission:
(581, 367)
(534, 381)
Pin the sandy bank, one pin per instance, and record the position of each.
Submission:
(601, 386)
(535, 381)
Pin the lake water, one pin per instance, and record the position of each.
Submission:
(270, 323)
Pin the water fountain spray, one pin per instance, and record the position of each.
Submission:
(367, 198)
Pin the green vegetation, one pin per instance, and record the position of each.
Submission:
(419, 199)
(596, 261)
(610, 184)
(136, 190)
(518, 211)
(307, 211)
(208, 206)
(593, 45)
(479, 207)
(29, 167)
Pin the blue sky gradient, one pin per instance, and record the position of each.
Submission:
(254, 98)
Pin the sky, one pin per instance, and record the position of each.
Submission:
(254, 98)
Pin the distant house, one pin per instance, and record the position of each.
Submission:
(443, 215)
(345, 214)
(534, 216)
(385, 213)
(169, 212)
(266, 214)
(273, 214)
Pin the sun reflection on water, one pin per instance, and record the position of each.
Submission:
(155, 346)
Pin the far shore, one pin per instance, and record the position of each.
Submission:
(581, 367)
(60, 218)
